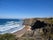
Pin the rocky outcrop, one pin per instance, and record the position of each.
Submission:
(30, 21)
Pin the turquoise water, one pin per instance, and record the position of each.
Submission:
(10, 25)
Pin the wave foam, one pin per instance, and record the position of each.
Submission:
(11, 27)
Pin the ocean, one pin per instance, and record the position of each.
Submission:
(10, 25)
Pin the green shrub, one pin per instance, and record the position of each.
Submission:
(7, 37)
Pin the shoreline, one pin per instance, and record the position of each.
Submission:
(20, 32)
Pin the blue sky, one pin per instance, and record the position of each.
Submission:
(26, 8)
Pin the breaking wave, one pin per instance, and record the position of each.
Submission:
(11, 27)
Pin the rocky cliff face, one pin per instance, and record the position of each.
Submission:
(30, 21)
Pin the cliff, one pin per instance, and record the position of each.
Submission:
(31, 21)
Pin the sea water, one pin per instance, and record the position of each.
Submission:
(10, 25)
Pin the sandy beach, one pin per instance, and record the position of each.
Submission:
(22, 31)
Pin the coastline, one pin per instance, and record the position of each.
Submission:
(20, 32)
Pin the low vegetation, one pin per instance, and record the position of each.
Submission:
(7, 37)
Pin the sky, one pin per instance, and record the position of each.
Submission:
(26, 8)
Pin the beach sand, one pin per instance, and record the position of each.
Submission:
(22, 31)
